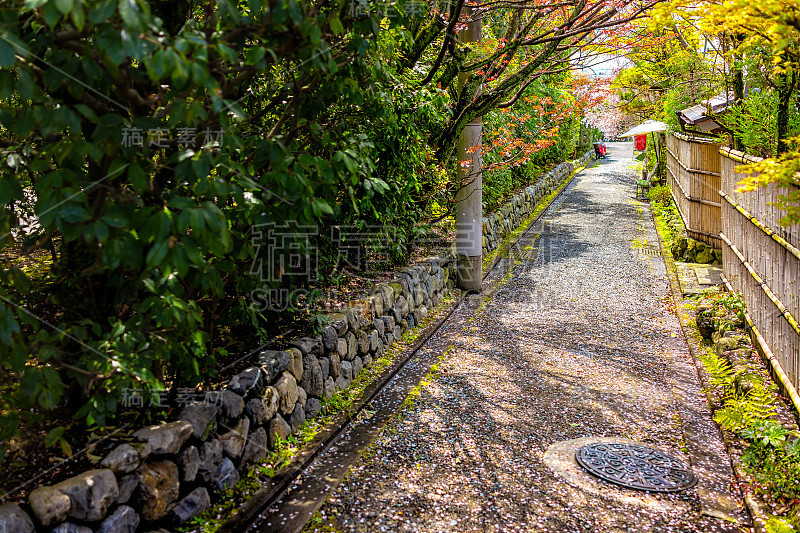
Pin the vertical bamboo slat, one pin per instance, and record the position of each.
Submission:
(754, 238)
(693, 176)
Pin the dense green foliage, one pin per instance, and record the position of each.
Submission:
(153, 150)
(748, 405)
(754, 122)
(151, 155)
(745, 52)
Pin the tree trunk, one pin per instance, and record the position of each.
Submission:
(738, 84)
(469, 198)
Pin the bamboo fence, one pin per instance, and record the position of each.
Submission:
(761, 260)
(693, 176)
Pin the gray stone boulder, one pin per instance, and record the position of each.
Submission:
(226, 475)
(313, 408)
(308, 346)
(286, 387)
(278, 430)
(325, 365)
(396, 314)
(358, 366)
(329, 339)
(363, 342)
(347, 371)
(158, 489)
(256, 447)
(374, 341)
(167, 438)
(330, 387)
(126, 458)
(375, 304)
(341, 348)
(312, 380)
(352, 319)
(260, 410)
(338, 321)
(302, 396)
(233, 441)
(295, 363)
(190, 506)
(273, 363)
(127, 485)
(84, 497)
(352, 345)
(342, 383)
(210, 458)
(248, 381)
(297, 417)
(14, 520)
(201, 416)
(335, 366)
(123, 520)
(402, 306)
(69, 527)
(189, 463)
(230, 404)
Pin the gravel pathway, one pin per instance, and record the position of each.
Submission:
(576, 341)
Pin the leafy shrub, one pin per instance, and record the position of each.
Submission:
(151, 163)
(772, 455)
(660, 194)
(773, 458)
(754, 121)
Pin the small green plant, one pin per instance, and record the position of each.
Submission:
(722, 375)
(777, 524)
(660, 194)
(730, 312)
(773, 458)
(742, 410)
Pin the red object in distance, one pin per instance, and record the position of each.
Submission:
(603, 149)
(641, 142)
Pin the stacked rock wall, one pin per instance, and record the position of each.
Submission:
(166, 474)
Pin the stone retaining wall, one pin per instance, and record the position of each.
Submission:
(521, 205)
(165, 475)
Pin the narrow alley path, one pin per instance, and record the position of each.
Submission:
(577, 341)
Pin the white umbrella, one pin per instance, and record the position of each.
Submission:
(648, 126)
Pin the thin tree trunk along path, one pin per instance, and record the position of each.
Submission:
(577, 341)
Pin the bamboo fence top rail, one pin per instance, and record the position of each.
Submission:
(744, 158)
(695, 139)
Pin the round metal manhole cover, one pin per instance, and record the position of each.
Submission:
(636, 467)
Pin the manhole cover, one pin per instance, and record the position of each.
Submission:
(636, 467)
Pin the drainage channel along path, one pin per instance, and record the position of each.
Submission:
(575, 345)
